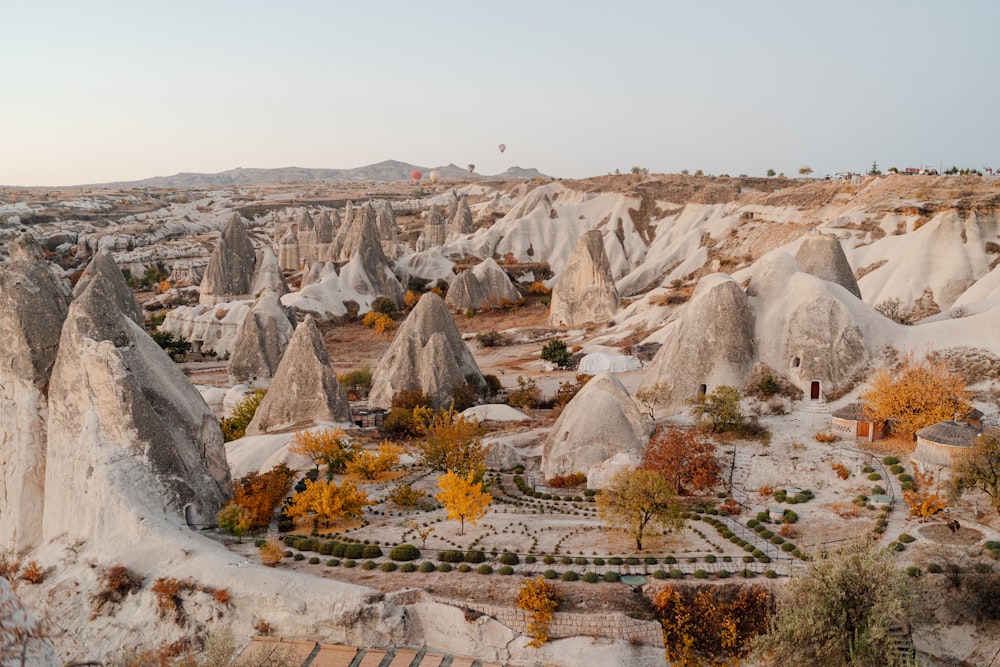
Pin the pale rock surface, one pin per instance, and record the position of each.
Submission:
(326, 232)
(435, 231)
(133, 448)
(823, 256)
(388, 229)
(498, 412)
(231, 267)
(315, 274)
(600, 422)
(711, 343)
(289, 258)
(22, 635)
(104, 264)
(585, 291)
(602, 475)
(261, 340)
(461, 220)
(428, 354)
(305, 389)
(32, 309)
(269, 275)
(485, 284)
(211, 329)
(307, 236)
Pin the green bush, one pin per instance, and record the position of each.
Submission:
(314, 560)
(451, 556)
(676, 574)
(874, 476)
(569, 575)
(407, 567)
(485, 568)
(566, 560)
(388, 566)
(353, 551)
(350, 563)
(992, 545)
(555, 351)
(700, 574)
(371, 551)
(710, 558)
(598, 561)
(905, 477)
(722, 574)
(299, 557)
(896, 469)
(788, 546)
(867, 469)
(649, 560)
(529, 559)
(508, 558)
(325, 549)
(506, 570)
(580, 560)
(748, 559)
(669, 560)
(789, 517)
(548, 560)
(660, 574)
(369, 565)
(591, 577)
(747, 573)
(464, 567)
(615, 561)
(333, 562)
(780, 495)
(338, 549)
(934, 568)
(444, 567)
(426, 566)
(404, 552)
(908, 485)
(770, 574)
(906, 538)
(914, 571)
(612, 577)
(550, 574)
(632, 560)
(890, 460)
(475, 556)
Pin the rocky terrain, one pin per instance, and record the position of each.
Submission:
(109, 454)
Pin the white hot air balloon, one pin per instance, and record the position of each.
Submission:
(434, 176)
(502, 147)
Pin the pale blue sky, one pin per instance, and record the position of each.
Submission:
(100, 91)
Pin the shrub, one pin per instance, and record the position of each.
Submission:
(387, 566)
(548, 560)
(612, 577)
(117, 583)
(906, 538)
(314, 560)
(710, 558)
(350, 563)
(700, 574)
(529, 559)
(914, 571)
(235, 427)
(615, 561)
(934, 568)
(566, 560)
(867, 469)
(299, 557)
(464, 567)
(722, 574)
(354, 551)
(485, 568)
(426, 566)
(491, 339)
(896, 469)
(660, 574)
(905, 477)
(890, 460)
(555, 351)
(874, 476)
(333, 562)
(474, 556)
(569, 575)
(789, 517)
(407, 567)
(444, 567)
(550, 574)
(570, 480)
(591, 577)
(404, 552)
(787, 546)
(369, 565)
(508, 558)
(451, 556)
(876, 490)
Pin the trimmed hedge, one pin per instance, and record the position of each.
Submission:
(404, 552)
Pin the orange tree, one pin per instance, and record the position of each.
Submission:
(684, 457)
(330, 447)
(918, 393)
(261, 493)
(711, 625)
(540, 599)
(925, 498)
(638, 497)
(463, 497)
(328, 501)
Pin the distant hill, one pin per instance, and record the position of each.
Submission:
(389, 170)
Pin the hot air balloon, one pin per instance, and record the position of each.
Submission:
(471, 167)
(416, 175)
(434, 176)
(502, 147)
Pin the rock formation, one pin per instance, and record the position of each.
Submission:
(601, 422)
(484, 285)
(325, 233)
(32, 310)
(313, 275)
(231, 268)
(289, 258)
(435, 231)
(261, 339)
(823, 256)
(388, 229)
(585, 291)
(133, 449)
(307, 236)
(269, 275)
(428, 354)
(103, 264)
(712, 343)
(368, 271)
(461, 221)
(305, 389)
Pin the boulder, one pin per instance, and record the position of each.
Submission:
(600, 422)
(133, 448)
(289, 258)
(261, 340)
(33, 307)
(585, 290)
(269, 275)
(711, 343)
(482, 286)
(305, 389)
(428, 354)
(231, 267)
(104, 264)
(823, 256)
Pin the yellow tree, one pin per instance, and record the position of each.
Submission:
(463, 497)
(453, 442)
(328, 501)
(370, 464)
(638, 497)
(918, 393)
(329, 447)
(925, 498)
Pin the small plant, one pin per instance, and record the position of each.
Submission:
(404, 552)
(612, 577)
(387, 566)
(540, 599)
(841, 470)
(570, 575)
(906, 538)
(485, 568)
(826, 437)
(550, 574)
(444, 567)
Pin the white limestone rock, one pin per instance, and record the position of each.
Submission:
(823, 256)
(104, 264)
(585, 290)
(428, 354)
(133, 449)
(484, 285)
(305, 389)
(231, 267)
(600, 422)
(289, 258)
(261, 340)
(269, 275)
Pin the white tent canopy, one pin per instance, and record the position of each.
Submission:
(599, 362)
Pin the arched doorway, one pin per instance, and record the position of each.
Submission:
(814, 391)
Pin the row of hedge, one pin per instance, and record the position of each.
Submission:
(522, 486)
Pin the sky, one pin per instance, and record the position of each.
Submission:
(101, 91)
